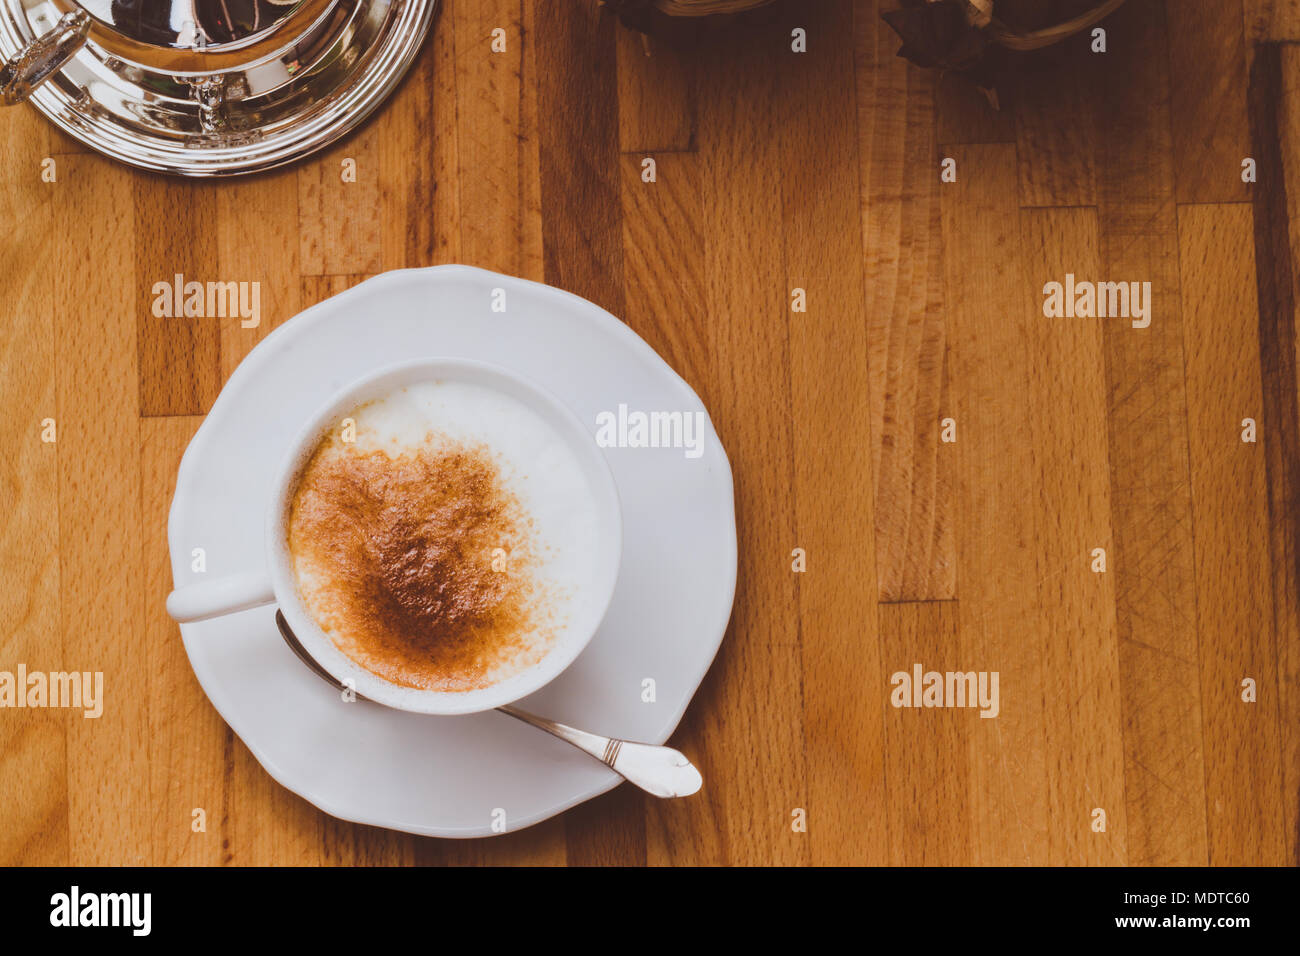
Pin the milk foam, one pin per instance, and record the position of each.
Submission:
(534, 462)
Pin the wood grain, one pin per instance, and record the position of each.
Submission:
(257, 243)
(1275, 137)
(656, 96)
(833, 494)
(1066, 390)
(1058, 126)
(498, 152)
(1272, 19)
(418, 175)
(741, 178)
(903, 245)
(187, 739)
(663, 251)
(1207, 70)
(967, 116)
(100, 526)
(339, 228)
(990, 289)
(928, 751)
(775, 170)
(1151, 506)
(32, 742)
(580, 173)
(1230, 509)
(179, 364)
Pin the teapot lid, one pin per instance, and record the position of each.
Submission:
(218, 87)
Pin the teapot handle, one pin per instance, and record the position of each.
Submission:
(31, 66)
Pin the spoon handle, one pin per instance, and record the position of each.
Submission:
(660, 771)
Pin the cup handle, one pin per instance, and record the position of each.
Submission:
(238, 592)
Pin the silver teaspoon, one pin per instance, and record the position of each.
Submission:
(661, 771)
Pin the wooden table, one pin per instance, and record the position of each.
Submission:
(1119, 690)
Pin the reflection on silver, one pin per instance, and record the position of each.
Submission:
(190, 24)
(43, 57)
(218, 87)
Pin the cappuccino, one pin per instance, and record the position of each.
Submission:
(442, 536)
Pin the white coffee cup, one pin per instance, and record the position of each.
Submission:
(276, 583)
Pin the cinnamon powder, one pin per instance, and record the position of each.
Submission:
(395, 558)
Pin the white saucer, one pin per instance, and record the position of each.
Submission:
(446, 776)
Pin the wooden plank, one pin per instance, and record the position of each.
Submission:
(1081, 695)
(179, 355)
(609, 830)
(351, 844)
(927, 767)
(690, 832)
(1230, 510)
(257, 229)
(1151, 508)
(906, 342)
(33, 767)
(999, 616)
(530, 256)
(843, 736)
(185, 733)
(1271, 20)
(316, 289)
(663, 265)
(656, 95)
(843, 731)
(263, 824)
(26, 142)
(756, 785)
(1276, 138)
(815, 93)
(339, 219)
(62, 144)
(418, 158)
(965, 114)
(1057, 125)
(100, 536)
(1207, 74)
(580, 175)
(499, 208)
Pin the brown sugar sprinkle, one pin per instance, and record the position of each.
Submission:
(400, 551)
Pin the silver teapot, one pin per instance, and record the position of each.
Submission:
(207, 87)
